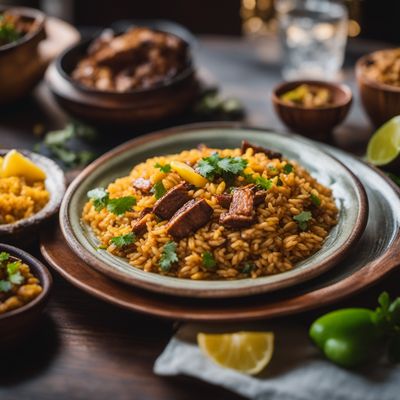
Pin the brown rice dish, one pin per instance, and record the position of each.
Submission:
(213, 214)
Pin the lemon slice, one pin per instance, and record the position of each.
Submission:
(187, 173)
(384, 146)
(246, 352)
(15, 164)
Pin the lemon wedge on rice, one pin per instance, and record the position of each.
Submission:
(245, 352)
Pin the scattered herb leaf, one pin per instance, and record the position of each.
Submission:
(279, 182)
(121, 205)
(168, 256)
(123, 240)
(163, 168)
(16, 278)
(302, 219)
(225, 167)
(158, 190)
(288, 168)
(13, 267)
(247, 268)
(208, 260)
(315, 200)
(4, 256)
(5, 286)
(263, 183)
(99, 198)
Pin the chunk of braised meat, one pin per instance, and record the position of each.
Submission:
(189, 218)
(144, 185)
(139, 226)
(225, 199)
(259, 149)
(241, 210)
(174, 199)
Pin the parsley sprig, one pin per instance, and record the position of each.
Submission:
(302, 219)
(168, 256)
(208, 260)
(158, 190)
(118, 206)
(163, 168)
(123, 240)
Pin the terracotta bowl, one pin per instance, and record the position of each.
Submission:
(16, 324)
(317, 123)
(115, 108)
(21, 66)
(26, 231)
(381, 102)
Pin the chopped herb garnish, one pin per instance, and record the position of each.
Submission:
(168, 256)
(158, 190)
(163, 168)
(279, 182)
(273, 169)
(247, 268)
(302, 219)
(121, 205)
(288, 168)
(16, 278)
(123, 240)
(315, 200)
(13, 267)
(263, 183)
(208, 260)
(249, 178)
(225, 167)
(99, 198)
(5, 286)
(4, 256)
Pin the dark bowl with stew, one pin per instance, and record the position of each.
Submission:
(168, 98)
(21, 66)
(17, 324)
(314, 122)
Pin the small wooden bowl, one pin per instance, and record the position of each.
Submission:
(26, 231)
(17, 324)
(21, 66)
(381, 102)
(317, 123)
(112, 108)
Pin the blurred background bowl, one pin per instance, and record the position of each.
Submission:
(21, 66)
(316, 123)
(381, 102)
(110, 108)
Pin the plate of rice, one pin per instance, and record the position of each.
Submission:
(214, 213)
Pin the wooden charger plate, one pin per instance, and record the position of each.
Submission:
(370, 259)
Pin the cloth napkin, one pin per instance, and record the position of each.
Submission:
(297, 371)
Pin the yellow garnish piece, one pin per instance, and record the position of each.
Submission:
(187, 173)
(246, 352)
(15, 164)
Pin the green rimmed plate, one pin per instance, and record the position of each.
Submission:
(348, 192)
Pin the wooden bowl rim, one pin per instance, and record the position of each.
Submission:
(182, 75)
(39, 271)
(49, 209)
(331, 85)
(360, 65)
(33, 13)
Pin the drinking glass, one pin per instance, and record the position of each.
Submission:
(313, 35)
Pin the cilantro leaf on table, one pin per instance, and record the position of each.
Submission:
(315, 200)
(208, 260)
(99, 198)
(123, 240)
(5, 286)
(158, 190)
(302, 219)
(163, 168)
(4, 256)
(121, 205)
(288, 168)
(168, 256)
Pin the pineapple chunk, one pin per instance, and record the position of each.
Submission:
(15, 164)
(187, 173)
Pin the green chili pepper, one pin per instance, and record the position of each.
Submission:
(348, 337)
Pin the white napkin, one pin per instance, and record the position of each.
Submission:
(297, 370)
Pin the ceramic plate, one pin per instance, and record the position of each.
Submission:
(347, 190)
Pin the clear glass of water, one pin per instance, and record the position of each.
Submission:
(313, 35)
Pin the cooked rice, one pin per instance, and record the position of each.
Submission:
(19, 200)
(274, 244)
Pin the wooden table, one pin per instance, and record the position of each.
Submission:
(86, 349)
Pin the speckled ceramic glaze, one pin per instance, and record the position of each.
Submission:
(347, 190)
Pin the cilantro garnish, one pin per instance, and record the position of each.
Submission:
(121, 205)
(163, 168)
(247, 268)
(302, 219)
(315, 200)
(99, 198)
(123, 240)
(288, 168)
(5, 286)
(225, 167)
(4, 256)
(16, 278)
(263, 183)
(279, 182)
(208, 260)
(158, 190)
(168, 256)
(13, 267)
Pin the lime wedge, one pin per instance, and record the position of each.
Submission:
(384, 145)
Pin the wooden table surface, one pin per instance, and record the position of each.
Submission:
(86, 349)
